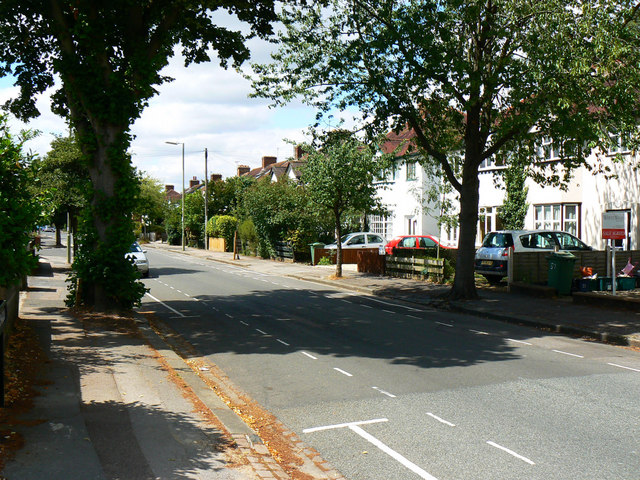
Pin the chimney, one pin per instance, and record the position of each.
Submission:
(168, 188)
(243, 170)
(194, 182)
(266, 161)
(297, 152)
(215, 177)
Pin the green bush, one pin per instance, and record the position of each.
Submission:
(248, 237)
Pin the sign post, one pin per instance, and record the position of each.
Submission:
(613, 228)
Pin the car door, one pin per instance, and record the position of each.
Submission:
(357, 241)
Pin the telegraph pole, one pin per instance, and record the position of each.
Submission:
(206, 211)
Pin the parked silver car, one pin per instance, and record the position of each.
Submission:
(491, 258)
(137, 254)
(360, 240)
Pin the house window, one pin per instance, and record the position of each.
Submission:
(488, 221)
(381, 224)
(565, 217)
(547, 150)
(618, 144)
(411, 170)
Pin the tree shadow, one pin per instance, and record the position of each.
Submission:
(319, 321)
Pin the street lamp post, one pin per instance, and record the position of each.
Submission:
(206, 216)
(181, 143)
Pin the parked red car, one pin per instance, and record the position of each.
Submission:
(403, 242)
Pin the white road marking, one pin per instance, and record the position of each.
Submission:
(394, 304)
(511, 452)
(283, 342)
(519, 341)
(343, 425)
(622, 366)
(440, 419)
(389, 311)
(444, 324)
(165, 305)
(478, 332)
(261, 331)
(567, 353)
(230, 316)
(342, 372)
(309, 355)
(244, 323)
(366, 306)
(384, 392)
(392, 453)
(345, 301)
(413, 316)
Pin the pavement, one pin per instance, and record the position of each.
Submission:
(113, 405)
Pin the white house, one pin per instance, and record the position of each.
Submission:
(402, 192)
(577, 209)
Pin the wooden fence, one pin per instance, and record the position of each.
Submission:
(217, 244)
(284, 251)
(533, 267)
(349, 255)
(418, 268)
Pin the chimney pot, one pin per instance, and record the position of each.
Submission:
(168, 188)
(216, 177)
(243, 170)
(194, 182)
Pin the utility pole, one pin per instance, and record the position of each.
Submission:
(206, 210)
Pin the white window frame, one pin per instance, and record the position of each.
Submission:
(557, 216)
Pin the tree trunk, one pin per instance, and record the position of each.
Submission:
(338, 245)
(464, 284)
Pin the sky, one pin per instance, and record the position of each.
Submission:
(204, 107)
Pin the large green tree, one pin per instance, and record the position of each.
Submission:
(339, 177)
(469, 78)
(107, 55)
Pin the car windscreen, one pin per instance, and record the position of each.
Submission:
(498, 240)
(135, 248)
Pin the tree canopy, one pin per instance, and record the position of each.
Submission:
(339, 176)
(469, 78)
(108, 56)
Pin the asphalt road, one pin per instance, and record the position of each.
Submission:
(387, 391)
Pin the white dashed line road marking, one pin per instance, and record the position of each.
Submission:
(444, 324)
(511, 452)
(519, 341)
(283, 342)
(230, 316)
(478, 332)
(388, 311)
(309, 355)
(413, 316)
(440, 419)
(342, 372)
(244, 323)
(261, 331)
(567, 353)
(384, 392)
(622, 366)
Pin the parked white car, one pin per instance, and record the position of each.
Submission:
(491, 257)
(137, 254)
(360, 240)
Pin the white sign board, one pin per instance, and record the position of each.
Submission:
(613, 225)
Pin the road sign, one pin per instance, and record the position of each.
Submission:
(613, 226)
